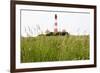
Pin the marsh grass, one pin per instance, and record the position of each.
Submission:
(54, 48)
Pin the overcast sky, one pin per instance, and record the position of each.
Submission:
(73, 22)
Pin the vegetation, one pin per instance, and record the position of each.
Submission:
(57, 33)
(54, 48)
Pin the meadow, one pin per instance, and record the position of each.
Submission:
(54, 48)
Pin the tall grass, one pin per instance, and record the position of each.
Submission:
(54, 48)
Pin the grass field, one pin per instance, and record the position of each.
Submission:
(54, 48)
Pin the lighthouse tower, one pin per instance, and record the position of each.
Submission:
(55, 25)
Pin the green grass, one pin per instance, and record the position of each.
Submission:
(54, 48)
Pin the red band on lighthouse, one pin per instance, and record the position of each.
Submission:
(55, 23)
(55, 16)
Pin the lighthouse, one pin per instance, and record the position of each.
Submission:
(55, 24)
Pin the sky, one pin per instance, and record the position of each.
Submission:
(35, 22)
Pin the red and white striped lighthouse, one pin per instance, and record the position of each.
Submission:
(55, 25)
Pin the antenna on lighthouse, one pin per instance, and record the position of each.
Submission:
(55, 25)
